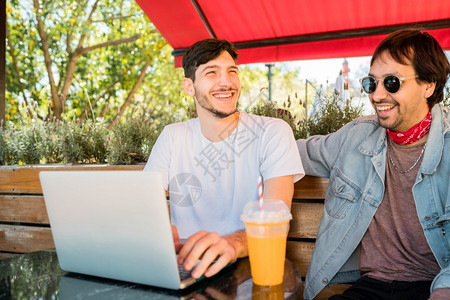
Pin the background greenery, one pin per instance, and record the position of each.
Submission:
(103, 60)
(131, 142)
(93, 81)
(86, 59)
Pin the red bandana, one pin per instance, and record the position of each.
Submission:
(414, 134)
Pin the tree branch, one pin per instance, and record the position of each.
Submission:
(57, 103)
(88, 109)
(94, 7)
(73, 59)
(105, 107)
(82, 51)
(81, 41)
(130, 95)
(112, 19)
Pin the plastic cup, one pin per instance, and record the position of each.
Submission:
(267, 231)
(275, 292)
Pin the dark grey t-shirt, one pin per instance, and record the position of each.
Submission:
(395, 247)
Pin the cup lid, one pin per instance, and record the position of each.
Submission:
(273, 211)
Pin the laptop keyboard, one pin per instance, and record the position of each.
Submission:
(184, 274)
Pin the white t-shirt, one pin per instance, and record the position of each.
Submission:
(210, 182)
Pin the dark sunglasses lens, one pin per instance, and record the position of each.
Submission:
(369, 85)
(392, 84)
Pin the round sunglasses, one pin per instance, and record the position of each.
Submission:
(391, 83)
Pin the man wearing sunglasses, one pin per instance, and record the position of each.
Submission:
(386, 220)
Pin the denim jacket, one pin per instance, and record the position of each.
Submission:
(354, 158)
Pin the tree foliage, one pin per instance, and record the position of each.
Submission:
(104, 60)
(84, 59)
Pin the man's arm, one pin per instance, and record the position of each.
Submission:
(280, 188)
(159, 160)
(319, 152)
(216, 251)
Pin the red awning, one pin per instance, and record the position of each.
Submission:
(282, 30)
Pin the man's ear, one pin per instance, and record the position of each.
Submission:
(430, 86)
(188, 86)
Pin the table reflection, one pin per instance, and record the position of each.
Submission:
(38, 275)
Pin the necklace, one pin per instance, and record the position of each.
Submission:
(412, 167)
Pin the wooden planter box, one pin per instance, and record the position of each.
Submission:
(24, 224)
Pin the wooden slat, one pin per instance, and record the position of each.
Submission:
(23, 209)
(25, 179)
(305, 219)
(22, 239)
(300, 253)
(310, 187)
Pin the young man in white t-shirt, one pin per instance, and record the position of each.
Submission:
(211, 164)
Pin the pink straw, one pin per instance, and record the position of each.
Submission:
(260, 193)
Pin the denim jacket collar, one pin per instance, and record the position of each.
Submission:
(435, 145)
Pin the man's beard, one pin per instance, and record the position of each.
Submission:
(203, 102)
(219, 114)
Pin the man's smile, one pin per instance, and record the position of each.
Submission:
(223, 95)
(384, 109)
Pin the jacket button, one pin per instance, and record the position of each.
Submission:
(379, 164)
(325, 281)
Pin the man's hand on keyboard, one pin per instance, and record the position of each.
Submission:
(213, 251)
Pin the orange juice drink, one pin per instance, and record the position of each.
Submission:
(267, 255)
(267, 230)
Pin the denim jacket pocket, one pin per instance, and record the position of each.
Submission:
(343, 194)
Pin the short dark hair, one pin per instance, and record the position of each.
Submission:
(426, 55)
(203, 51)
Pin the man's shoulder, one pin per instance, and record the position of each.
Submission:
(369, 122)
(358, 129)
(369, 119)
(262, 121)
(185, 125)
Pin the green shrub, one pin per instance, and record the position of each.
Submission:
(72, 142)
(270, 109)
(19, 145)
(48, 143)
(131, 142)
(330, 116)
(4, 149)
(53, 142)
(82, 143)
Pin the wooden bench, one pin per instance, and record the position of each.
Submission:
(24, 224)
(307, 210)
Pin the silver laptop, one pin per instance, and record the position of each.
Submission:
(112, 224)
